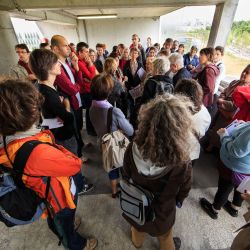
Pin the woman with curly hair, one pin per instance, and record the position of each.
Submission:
(158, 161)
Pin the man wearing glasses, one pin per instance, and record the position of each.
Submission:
(22, 69)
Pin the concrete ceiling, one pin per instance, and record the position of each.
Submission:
(124, 12)
(67, 10)
(79, 4)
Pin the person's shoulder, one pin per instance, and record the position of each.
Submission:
(117, 112)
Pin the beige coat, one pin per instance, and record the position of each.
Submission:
(19, 72)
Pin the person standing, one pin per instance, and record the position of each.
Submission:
(158, 161)
(22, 69)
(69, 82)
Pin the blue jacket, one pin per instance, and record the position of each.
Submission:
(181, 74)
(193, 62)
(235, 149)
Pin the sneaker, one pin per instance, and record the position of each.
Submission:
(91, 244)
(86, 188)
(77, 222)
(177, 243)
(208, 208)
(228, 207)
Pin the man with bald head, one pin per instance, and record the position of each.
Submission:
(70, 81)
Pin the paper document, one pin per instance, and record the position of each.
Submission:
(141, 73)
(244, 185)
(52, 123)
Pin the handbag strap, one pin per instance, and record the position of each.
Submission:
(109, 119)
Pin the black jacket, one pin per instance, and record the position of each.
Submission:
(181, 74)
(132, 81)
(150, 88)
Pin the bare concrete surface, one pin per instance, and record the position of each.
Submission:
(101, 216)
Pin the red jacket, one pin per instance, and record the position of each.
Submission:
(66, 86)
(206, 79)
(46, 160)
(241, 99)
(88, 73)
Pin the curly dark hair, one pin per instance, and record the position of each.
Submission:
(191, 89)
(164, 129)
(20, 105)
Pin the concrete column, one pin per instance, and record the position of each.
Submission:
(82, 31)
(222, 22)
(8, 42)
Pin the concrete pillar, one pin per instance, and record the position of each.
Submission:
(82, 31)
(222, 22)
(8, 42)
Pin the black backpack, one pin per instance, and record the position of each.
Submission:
(162, 87)
(19, 204)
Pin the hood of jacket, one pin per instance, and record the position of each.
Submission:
(147, 168)
(214, 68)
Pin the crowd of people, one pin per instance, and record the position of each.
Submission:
(167, 102)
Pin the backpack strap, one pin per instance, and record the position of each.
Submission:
(19, 164)
(109, 119)
(22, 157)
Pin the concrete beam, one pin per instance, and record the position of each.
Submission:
(46, 16)
(64, 4)
(222, 23)
(8, 42)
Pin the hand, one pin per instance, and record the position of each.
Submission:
(221, 131)
(66, 104)
(59, 120)
(74, 61)
(246, 196)
(31, 77)
(88, 60)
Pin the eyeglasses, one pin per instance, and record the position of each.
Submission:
(21, 52)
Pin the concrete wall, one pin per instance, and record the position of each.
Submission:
(8, 42)
(115, 31)
(50, 29)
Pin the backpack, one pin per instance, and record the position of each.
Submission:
(113, 145)
(136, 202)
(162, 87)
(20, 205)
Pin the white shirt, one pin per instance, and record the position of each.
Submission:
(221, 75)
(72, 79)
(201, 123)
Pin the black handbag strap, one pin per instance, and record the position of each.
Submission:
(109, 119)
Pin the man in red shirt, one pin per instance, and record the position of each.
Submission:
(89, 71)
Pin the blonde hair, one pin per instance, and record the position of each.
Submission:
(164, 128)
(110, 66)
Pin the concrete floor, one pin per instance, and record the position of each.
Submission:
(102, 218)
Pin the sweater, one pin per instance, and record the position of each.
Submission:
(88, 73)
(235, 149)
(170, 184)
(98, 117)
(201, 122)
(53, 108)
(206, 79)
(194, 62)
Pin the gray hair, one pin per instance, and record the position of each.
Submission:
(177, 58)
(161, 65)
